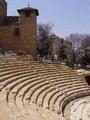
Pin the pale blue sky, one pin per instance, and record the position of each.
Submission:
(68, 16)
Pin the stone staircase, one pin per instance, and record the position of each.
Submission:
(38, 91)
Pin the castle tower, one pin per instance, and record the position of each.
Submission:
(3, 11)
(28, 27)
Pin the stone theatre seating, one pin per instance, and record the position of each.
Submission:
(46, 87)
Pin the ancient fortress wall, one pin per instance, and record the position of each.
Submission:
(18, 32)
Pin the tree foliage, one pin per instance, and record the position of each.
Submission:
(81, 46)
(76, 39)
(86, 42)
(44, 31)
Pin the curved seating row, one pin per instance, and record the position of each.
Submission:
(50, 86)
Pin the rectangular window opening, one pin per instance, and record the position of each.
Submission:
(27, 13)
(17, 32)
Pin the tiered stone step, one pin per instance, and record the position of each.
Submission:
(47, 86)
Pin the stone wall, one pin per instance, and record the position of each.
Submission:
(11, 20)
(26, 40)
(18, 32)
(3, 11)
(7, 38)
(28, 33)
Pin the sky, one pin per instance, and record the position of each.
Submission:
(67, 16)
